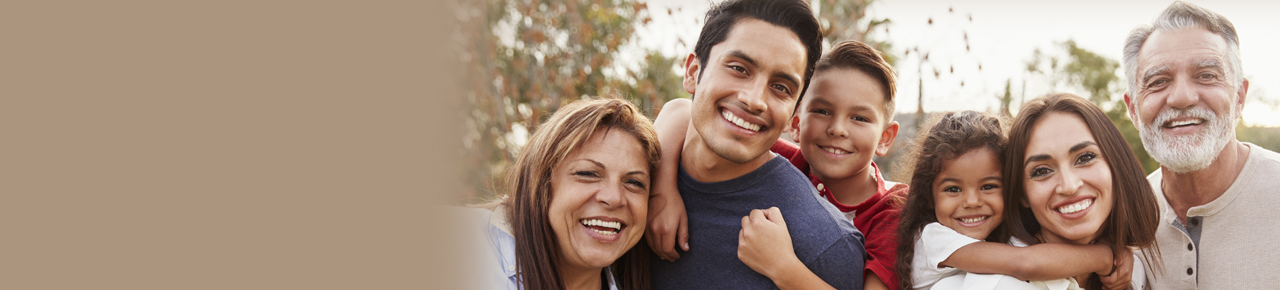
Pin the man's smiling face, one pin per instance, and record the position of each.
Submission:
(1186, 101)
(744, 97)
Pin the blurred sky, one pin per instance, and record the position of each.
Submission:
(1002, 37)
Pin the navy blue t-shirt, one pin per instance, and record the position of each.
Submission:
(824, 240)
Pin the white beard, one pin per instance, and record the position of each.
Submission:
(1188, 153)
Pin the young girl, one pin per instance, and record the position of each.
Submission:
(955, 202)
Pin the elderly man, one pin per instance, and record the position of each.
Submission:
(1217, 196)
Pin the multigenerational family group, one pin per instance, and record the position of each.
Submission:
(1053, 199)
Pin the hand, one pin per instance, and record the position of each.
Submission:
(668, 226)
(668, 222)
(1123, 270)
(764, 244)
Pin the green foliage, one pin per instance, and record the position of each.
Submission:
(1082, 68)
(1120, 116)
(1096, 75)
(842, 20)
(655, 83)
(1266, 137)
(1093, 72)
(526, 58)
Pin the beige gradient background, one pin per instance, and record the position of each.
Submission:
(226, 145)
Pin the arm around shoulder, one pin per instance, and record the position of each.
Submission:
(1046, 261)
(668, 222)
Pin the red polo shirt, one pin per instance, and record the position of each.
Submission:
(876, 218)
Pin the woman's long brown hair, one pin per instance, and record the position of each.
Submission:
(1135, 216)
(529, 189)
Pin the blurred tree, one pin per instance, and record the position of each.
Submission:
(951, 24)
(1266, 137)
(1006, 98)
(526, 58)
(847, 20)
(1096, 75)
(656, 82)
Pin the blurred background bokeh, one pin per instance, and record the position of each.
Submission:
(524, 59)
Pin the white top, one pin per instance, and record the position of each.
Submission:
(1056, 284)
(974, 281)
(938, 242)
(1137, 280)
(1238, 236)
(498, 252)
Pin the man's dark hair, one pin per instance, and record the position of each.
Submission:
(795, 15)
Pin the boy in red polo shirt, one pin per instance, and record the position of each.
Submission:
(844, 118)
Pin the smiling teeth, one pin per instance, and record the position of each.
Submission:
(616, 226)
(1076, 207)
(973, 219)
(1176, 124)
(740, 122)
(600, 223)
(834, 150)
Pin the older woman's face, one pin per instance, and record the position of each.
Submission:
(1067, 180)
(599, 199)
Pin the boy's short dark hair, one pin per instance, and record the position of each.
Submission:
(795, 15)
(851, 54)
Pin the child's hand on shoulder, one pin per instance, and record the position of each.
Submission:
(764, 244)
(668, 227)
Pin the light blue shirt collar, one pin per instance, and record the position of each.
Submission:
(504, 244)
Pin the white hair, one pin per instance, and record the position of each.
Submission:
(1183, 15)
(1188, 153)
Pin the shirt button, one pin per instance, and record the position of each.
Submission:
(512, 268)
(1189, 271)
(1195, 222)
(1189, 248)
(820, 187)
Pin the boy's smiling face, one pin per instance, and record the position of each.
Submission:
(841, 122)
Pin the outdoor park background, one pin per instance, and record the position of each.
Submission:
(526, 58)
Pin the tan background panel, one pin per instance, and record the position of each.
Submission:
(226, 145)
